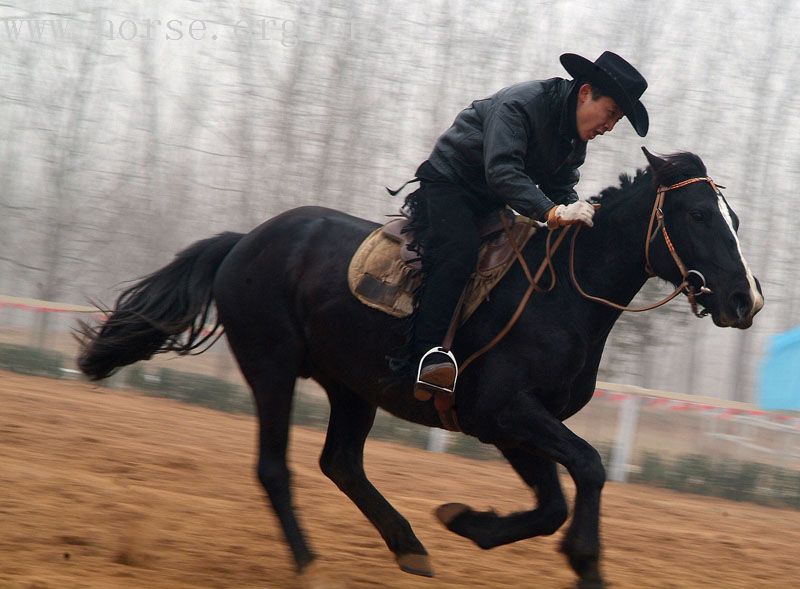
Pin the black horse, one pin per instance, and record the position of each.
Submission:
(282, 297)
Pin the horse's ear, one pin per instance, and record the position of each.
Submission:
(655, 162)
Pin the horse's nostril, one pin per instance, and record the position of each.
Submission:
(741, 303)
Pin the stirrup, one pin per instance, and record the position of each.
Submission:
(423, 391)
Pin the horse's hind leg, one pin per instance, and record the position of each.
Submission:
(273, 394)
(487, 529)
(342, 461)
(270, 369)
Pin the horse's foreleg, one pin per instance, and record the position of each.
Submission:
(526, 423)
(487, 529)
(342, 460)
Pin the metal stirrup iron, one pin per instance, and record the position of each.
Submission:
(423, 390)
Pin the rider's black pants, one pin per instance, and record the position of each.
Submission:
(445, 224)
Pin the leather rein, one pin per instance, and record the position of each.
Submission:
(656, 218)
(685, 285)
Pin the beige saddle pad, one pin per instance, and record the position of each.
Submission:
(383, 275)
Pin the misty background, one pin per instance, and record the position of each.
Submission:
(130, 132)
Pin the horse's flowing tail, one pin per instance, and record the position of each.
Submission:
(165, 311)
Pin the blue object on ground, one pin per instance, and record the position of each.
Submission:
(779, 373)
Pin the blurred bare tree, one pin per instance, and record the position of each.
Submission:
(129, 132)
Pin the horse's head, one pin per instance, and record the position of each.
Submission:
(702, 228)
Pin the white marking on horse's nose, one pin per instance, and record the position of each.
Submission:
(755, 296)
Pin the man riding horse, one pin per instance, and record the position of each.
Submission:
(284, 300)
(521, 148)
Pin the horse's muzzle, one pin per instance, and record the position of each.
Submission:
(740, 307)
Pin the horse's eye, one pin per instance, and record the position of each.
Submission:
(698, 215)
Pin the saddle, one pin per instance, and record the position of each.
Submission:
(384, 272)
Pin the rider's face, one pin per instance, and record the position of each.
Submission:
(595, 117)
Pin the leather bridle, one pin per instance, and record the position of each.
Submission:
(685, 285)
(656, 215)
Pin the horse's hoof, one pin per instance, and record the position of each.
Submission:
(314, 577)
(592, 580)
(416, 564)
(590, 584)
(449, 511)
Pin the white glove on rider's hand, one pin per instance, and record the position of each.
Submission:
(577, 212)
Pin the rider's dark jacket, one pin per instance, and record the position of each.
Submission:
(517, 147)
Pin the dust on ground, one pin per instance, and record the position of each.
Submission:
(101, 489)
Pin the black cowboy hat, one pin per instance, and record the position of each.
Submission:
(615, 77)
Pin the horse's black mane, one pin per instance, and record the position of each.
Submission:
(678, 166)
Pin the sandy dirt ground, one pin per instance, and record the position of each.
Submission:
(102, 490)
